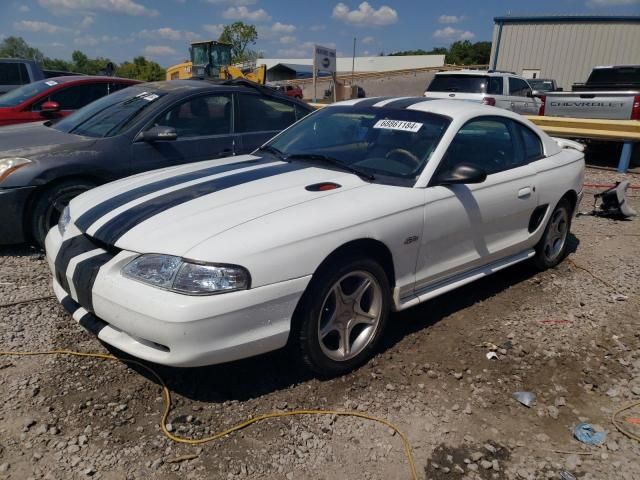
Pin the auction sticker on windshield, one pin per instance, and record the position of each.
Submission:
(398, 125)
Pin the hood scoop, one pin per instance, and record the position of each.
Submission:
(322, 187)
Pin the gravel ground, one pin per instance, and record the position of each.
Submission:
(568, 335)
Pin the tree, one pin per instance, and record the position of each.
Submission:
(16, 47)
(240, 36)
(141, 69)
(467, 53)
(433, 51)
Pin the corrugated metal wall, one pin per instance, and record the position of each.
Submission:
(565, 51)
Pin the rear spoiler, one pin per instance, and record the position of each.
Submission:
(565, 143)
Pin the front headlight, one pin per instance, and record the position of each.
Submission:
(181, 276)
(10, 165)
(63, 221)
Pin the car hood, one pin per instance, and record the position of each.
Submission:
(172, 210)
(32, 140)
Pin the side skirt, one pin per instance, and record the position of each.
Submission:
(459, 280)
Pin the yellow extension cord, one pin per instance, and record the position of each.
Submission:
(166, 397)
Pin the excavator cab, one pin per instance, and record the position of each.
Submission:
(210, 59)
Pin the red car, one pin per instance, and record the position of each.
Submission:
(55, 97)
(291, 91)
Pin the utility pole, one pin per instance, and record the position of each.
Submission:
(353, 60)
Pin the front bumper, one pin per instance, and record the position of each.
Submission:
(13, 202)
(173, 329)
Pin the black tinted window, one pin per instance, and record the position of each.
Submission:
(259, 114)
(531, 143)
(490, 143)
(200, 116)
(517, 87)
(13, 74)
(495, 86)
(73, 98)
(622, 75)
(115, 86)
(459, 83)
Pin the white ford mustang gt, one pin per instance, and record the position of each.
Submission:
(364, 207)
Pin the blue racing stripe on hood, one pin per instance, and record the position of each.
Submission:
(110, 232)
(89, 217)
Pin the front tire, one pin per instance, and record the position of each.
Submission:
(552, 247)
(342, 315)
(48, 206)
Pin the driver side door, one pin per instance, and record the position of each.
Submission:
(470, 225)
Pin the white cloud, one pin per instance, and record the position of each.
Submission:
(368, 40)
(450, 33)
(287, 39)
(237, 3)
(612, 3)
(283, 28)
(86, 41)
(125, 7)
(317, 28)
(214, 29)
(449, 19)
(35, 26)
(365, 14)
(165, 33)
(159, 50)
(243, 13)
(23, 8)
(87, 21)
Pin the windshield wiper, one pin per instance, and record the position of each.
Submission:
(274, 151)
(334, 162)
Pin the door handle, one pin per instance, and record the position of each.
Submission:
(524, 192)
(513, 104)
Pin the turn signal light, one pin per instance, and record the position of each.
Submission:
(543, 99)
(635, 111)
(489, 101)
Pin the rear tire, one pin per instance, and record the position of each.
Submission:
(342, 315)
(48, 206)
(552, 247)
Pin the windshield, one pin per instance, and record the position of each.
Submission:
(109, 115)
(379, 141)
(541, 85)
(459, 83)
(21, 94)
(200, 56)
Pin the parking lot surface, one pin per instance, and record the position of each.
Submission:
(570, 335)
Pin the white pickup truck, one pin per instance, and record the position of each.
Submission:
(611, 92)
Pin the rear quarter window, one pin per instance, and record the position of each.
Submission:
(532, 144)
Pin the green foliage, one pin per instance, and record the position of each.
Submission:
(459, 53)
(140, 68)
(16, 47)
(240, 36)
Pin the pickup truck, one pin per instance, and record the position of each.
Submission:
(15, 72)
(611, 92)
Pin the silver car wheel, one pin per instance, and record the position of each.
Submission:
(350, 316)
(556, 235)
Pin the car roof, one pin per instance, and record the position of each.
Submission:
(477, 72)
(88, 78)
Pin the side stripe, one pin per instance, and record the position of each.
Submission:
(70, 248)
(84, 276)
(115, 228)
(406, 102)
(85, 220)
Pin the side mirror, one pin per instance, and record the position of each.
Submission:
(159, 133)
(529, 94)
(50, 107)
(462, 174)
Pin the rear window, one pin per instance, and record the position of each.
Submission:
(619, 75)
(13, 74)
(459, 83)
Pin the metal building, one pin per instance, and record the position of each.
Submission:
(564, 48)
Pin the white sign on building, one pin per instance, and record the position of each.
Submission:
(324, 59)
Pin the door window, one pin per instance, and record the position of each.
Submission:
(73, 98)
(490, 143)
(200, 116)
(259, 114)
(13, 74)
(115, 86)
(531, 143)
(495, 86)
(518, 87)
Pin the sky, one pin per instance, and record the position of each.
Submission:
(162, 29)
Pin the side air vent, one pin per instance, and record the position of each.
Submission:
(322, 187)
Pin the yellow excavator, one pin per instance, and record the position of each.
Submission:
(211, 59)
